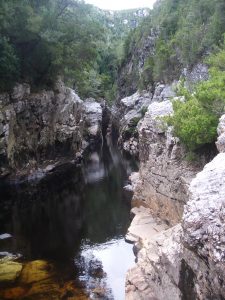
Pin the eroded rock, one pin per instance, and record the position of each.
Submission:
(187, 261)
(164, 174)
(39, 127)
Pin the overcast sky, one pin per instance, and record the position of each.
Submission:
(121, 4)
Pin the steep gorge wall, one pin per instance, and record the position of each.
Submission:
(186, 261)
(164, 173)
(45, 126)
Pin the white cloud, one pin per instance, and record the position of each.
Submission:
(121, 4)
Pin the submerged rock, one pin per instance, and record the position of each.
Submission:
(37, 280)
(9, 270)
(35, 271)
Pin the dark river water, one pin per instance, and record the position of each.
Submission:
(75, 219)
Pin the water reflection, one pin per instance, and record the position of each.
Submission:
(77, 214)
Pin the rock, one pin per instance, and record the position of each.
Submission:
(125, 117)
(134, 65)
(5, 236)
(164, 92)
(20, 91)
(43, 126)
(156, 274)
(188, 261)
(13, 293)
(204, 214)
(9, 270)
(99, 292)
(36, 271)
(143, 225)
(197, 73)
(164, 173)
(221, 135)
(93, 118)
(38, 280)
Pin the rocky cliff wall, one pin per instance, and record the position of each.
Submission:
(44, 126)
(164, 173)
(187, 261)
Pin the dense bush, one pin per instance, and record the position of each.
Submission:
(195, 120)
(185, 30)
(9, 70)
(194, 125)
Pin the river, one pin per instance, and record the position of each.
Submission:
(74, 220)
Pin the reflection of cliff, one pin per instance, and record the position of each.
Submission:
(105, 207)
(46, 217)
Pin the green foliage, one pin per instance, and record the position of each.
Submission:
(195, 120)
(194, 125)
(132, 127)
(9, 65)
(143, 111)
(182, 32)
(164, 61)
(46, 38)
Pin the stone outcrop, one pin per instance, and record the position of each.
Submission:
(127, 113)
(44, 126)
(129, 73)
(93, 119)
(197, 73)
(164, 173)
(221, 135)
(125, 117)
(187, 261)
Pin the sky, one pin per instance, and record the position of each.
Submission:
(121, 4)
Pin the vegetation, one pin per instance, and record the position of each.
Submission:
(181, 31)
(43, 39)
(195, 120)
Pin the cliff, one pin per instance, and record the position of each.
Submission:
(187, 260)
(37, 129)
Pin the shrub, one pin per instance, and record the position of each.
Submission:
(9, 65)
(194, 125)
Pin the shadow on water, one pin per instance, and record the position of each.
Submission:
(75, 218)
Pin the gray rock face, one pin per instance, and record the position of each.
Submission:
(35, 127)
(126, 116)
(163, 92)
(198, 73)
(221, 135)
(187, 261)
(129, 111)
(204, 221)
(130, 72)
(164, 173)
(156, 274)
(93, 118)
